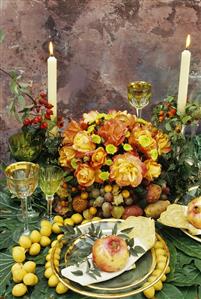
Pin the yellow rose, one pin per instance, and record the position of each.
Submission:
(126, 170)
(82, 142)
(66, 154)
(85, 175)
(98, 157)
(90, 117)
(153, 170)
(163, 143)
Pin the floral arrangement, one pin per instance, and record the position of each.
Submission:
(113, 159)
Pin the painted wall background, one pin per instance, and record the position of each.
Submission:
(100, 45)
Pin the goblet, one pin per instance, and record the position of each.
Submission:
(22, 180)
(50, 179)
(139, 95)
(22, 148)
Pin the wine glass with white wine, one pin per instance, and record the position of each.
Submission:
(139, 95)
(22, 180)
(50, 179)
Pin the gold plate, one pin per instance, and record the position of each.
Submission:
(133, 288)
(196, 238)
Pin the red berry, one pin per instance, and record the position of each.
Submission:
(27, 121)
(49, 106)
(49, 111)
(43, 94)
(37, 119)
(43, 102)
(47, 116)
(44, 125)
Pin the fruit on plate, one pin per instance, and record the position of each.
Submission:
(194, 212)
(110, 254)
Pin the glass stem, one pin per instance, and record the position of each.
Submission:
(49, 199)
(139, 112)
(25, 215)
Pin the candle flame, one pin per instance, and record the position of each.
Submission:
(51, 48)
(188, 41)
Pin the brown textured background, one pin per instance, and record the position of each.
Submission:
(100, 45)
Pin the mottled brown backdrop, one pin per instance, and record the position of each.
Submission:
(101, 45)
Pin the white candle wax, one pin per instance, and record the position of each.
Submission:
(52, 83)
(183, 80)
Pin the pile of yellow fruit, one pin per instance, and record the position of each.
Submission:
(24, 273)
(161, 260)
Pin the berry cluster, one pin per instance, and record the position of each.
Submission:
(168, 111)
(40, 113)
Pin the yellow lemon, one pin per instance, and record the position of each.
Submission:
(156, 272)
(95, 218)
(45, 230)
(151, 278)
(25, 242)
(45, 223)
(29, 267)
(161, 258)
(160, 265)
(58, 251)
(86, 214)
(158, 286)
(56, 262)
(19, 290)
(108, 188)
(18, 275)
(45, 241)
(167, 270)
(59, 237)
(48, 272)
(48, 265)
(61, 288)
(160, 252)
(34, 249)
(18, 254)
(158, 244)
(84, 195)
(92, 210)
(30, 279)
(85, 221)
(56, 228)
(77, 218)
(125, 193)
(68, 221)
(16, 266)
(48, 257)
(58, 219)
(54, 243)
(149, 293)
(53, 281)
(163, 278)
(35, 236)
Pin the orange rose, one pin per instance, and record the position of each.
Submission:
(127, 118)
(69, 134)
(113, 132)
(85, 175)
(153, 170)
(82, 142)
(66, 154)
(163, 143)
(127, 170)
(98, 157)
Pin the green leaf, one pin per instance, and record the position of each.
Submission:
(189, 293)
(6, 262)
(114, 230)
(77, 273)
(139, 249)
(169, 292)
(198, 264)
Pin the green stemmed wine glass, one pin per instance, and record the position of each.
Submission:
(22, 180)
(50, 179)
(139, 95)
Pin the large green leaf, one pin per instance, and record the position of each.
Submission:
(169, 292)
(189, 293)
(173, 260)
(6, 262)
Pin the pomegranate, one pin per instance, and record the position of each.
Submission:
(110, 254)
(194, 212)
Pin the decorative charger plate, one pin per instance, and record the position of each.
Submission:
(196, 238)
(128, 283)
